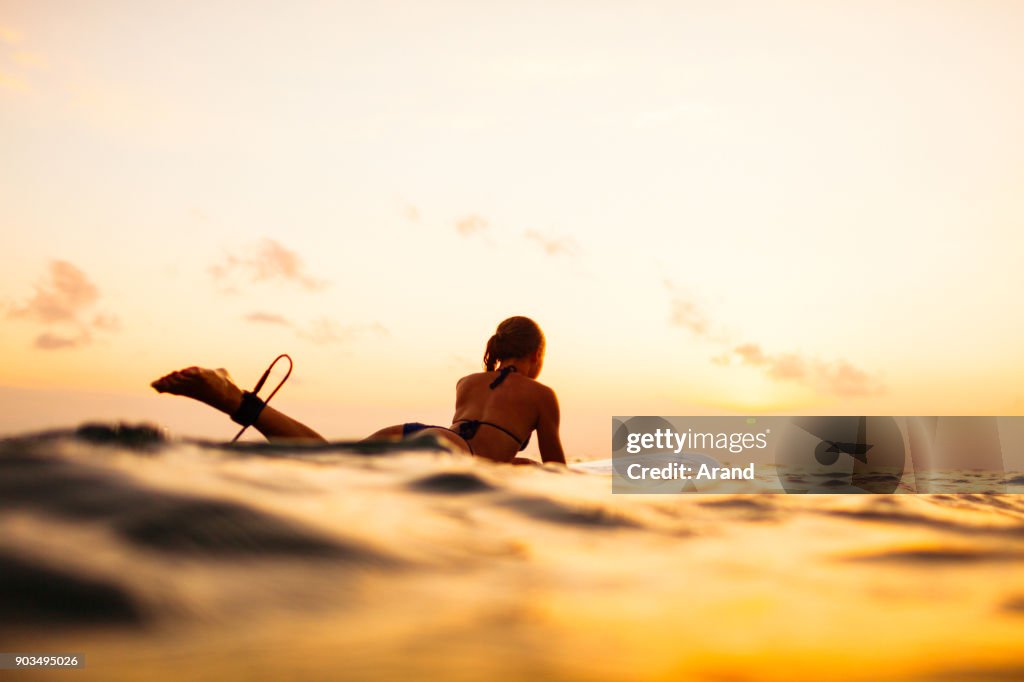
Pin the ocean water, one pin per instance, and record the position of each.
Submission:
(161, 559)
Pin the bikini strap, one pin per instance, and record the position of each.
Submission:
(468, 428)
(502, 375)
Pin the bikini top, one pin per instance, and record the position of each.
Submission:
(468, 427)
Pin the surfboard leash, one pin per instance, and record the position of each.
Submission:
(249, 411)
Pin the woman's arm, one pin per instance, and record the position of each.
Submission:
(547, 429)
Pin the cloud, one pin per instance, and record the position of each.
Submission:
(784, 367)
(267, 318)
(268, 261)
(411, 213)
(688, 315)
(470, 225)
(59, 298)
(686, 312)
(321, 332)
(723, 360)
(325, 332)
(553, 246)
(844, 379)
(750, 354)
(64, 300)
(107, 323)
(787, 367)
(838, 378)
(50, 341)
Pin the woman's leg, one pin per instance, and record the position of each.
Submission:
(395, 432)
(443, 435)
(215, 388)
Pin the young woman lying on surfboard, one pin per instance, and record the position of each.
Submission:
(496, 410)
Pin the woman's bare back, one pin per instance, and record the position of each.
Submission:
(508, 414)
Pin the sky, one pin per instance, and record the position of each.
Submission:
(709, 207)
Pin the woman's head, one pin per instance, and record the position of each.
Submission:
(516, 337)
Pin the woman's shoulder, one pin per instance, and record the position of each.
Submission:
(487, 377)
(475, 376)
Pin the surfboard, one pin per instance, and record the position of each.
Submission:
(606, 467)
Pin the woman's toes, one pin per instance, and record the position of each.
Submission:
(193, 382)
(162, 386)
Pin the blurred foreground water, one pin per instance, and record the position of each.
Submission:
(164, 559)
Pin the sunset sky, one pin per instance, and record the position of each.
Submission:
(709, 207)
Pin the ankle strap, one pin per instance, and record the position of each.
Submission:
(249, 411)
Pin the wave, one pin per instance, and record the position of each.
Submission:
(386, 559)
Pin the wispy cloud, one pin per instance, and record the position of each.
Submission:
(842, 378)
(59, 297)
(63, 304)
(788, 367)
(722, 360)
(839, 377)
(411, 213)
(784, 366)
(325, 332)
(50, 341)
(686, 312)
(107, 323)
(268, 261)
(750, 354)
(267, 318)
(474, 224)
(470, 225)
(322, 331)
(553, 246)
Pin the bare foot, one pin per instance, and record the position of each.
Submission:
(211, 386)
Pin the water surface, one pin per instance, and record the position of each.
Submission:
(155, 556)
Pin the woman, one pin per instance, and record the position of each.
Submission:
(496, 410)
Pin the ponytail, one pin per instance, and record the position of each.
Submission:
(516, 337)
(491, 353)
